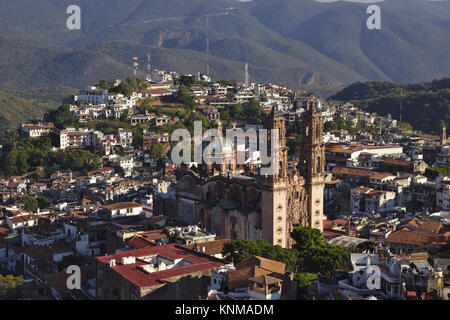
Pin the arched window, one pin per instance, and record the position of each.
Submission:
(306, 131)
(318, 165)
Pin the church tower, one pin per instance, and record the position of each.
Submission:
(443, 135)
(312, 163)
(275, 121)
(275, 187)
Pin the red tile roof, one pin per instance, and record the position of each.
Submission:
(352, 171)
(121, 205)
(140, 278)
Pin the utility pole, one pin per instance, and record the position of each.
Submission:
(246, 77)
(135, 65)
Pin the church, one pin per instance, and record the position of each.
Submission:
(239, 203)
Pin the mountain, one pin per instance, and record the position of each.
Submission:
(422, 103)
(411, 46)
(15, 110)
(292, 42)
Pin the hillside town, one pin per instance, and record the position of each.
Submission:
(93, 185)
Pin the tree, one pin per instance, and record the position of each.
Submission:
(124, 88)
(124, 117)
(61, 117)
(43, 202)
(330, 126)
(185, 97)
(405, 126)
(326, 258)
(158, 150)
(24, 155)
(340, 122)
(30, 203)
(293, 145)
(237, 250)
(77, 160)
(138, 136)
(253, 111)
(237, 111)
(306, 238)
(10, 287)
(196, 117)
(21, 163)
(318, 256)
(434, 172)
(103, 85)
(304, 280)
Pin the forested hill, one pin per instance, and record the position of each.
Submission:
(426, 106)
(290, 42)
(14, 110)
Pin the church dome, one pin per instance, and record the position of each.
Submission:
(218, 149)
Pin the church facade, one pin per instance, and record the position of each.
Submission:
(255, 207)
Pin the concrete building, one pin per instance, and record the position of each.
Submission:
(123, 209)
(169, 272)
(81, 138)
(369, 200)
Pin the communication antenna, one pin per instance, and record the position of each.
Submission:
(246, 78)
(401, 103)
(135, 65)
(149, 70)
(207, 38)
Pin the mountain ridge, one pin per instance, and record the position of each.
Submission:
(293, 42)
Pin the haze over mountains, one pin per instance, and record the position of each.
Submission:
(292, 42)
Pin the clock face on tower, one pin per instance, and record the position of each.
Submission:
(317, 203)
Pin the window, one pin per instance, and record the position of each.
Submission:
(318, 165)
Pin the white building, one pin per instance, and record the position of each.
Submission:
(123, 209)
(92, 95)
(125, 137)
(81, 138)
(369, 200)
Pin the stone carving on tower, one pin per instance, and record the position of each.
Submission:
(256, 206)
(312, 163)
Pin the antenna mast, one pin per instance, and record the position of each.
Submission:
(401, 103)
(246, 79)
(135, 65)
(149, 70)
(207, 38)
